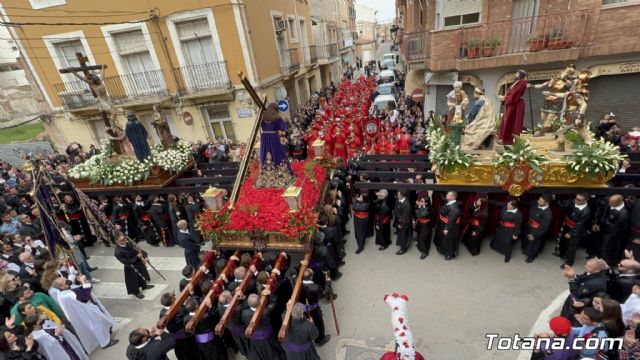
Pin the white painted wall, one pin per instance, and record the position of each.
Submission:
(7, 53)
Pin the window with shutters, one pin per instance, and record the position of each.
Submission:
(293, 33)
(140, 71)
(196, 42)
(219, 119)
(615, 3)
(453, 13)
(66, 52)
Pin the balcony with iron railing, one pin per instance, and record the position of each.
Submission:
(289, 60)
(203, 79)
(144, 87)
(536, 34)
(327, 53)
(310, 55)
(415, 46)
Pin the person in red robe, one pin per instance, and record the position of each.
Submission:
(353, 144)
(513, 119)
(339, 145)
(404, 142)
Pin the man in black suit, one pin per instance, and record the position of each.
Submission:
(190, 245)
(150, 344)
(403, 222)
(613, 224)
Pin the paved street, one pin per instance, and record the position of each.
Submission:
(452, 303)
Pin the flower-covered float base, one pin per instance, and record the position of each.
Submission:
(261, 218)
(109, 171)
(520, 168)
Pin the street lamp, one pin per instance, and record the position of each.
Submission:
(318, 149)
(214, 198)
(292, 197)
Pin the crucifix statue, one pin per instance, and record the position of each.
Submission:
(99, 91)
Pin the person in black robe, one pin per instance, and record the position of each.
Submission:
(185, 342)
(574, 229)
(424, 225)
(508, 230)
(475, 230)
(310, 294)
(298, 344)
(263, 345)
(383, 221)
(321, 258)
(149, 344)
(77, 220)
(208, 346)
(122, 215)
(136, 275)
(139, 209)
(189, 243)
(634, 225)
(537, 227)
(613, 225)
(298, 148)
(448, 228)
(235, 327)
(403, 222)
(192, 210)
(137, 135)
(331, 239)
(160, 218)
(360, 221)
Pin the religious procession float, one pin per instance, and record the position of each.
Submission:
(127, 161)
(561, 152)
(273, 206)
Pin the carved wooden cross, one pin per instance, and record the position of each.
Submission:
(83, 67)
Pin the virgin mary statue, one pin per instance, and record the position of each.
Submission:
(275, 169)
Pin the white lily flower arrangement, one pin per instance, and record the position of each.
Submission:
(101, 169)
(600, 158)
(520, 152)
(444, 154)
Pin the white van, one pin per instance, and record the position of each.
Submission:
(381, 101)
(387, 76)
(389, 56)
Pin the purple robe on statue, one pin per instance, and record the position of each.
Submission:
(270, 143)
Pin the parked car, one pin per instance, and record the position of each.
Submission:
(388, 89)
(381, 102)
(386, 76)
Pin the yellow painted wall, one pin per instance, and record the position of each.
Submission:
(261, 37)
(31, 36)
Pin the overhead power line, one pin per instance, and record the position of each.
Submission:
(75, 11)
(12, 23)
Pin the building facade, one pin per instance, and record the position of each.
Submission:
(333, 28)
(483, 42)
(366, 45)
(183, 56)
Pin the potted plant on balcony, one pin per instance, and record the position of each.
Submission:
(474, 49)
(537, 43)
(556, 39)
(489, 47)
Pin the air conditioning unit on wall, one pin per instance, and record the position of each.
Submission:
(280, 25)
